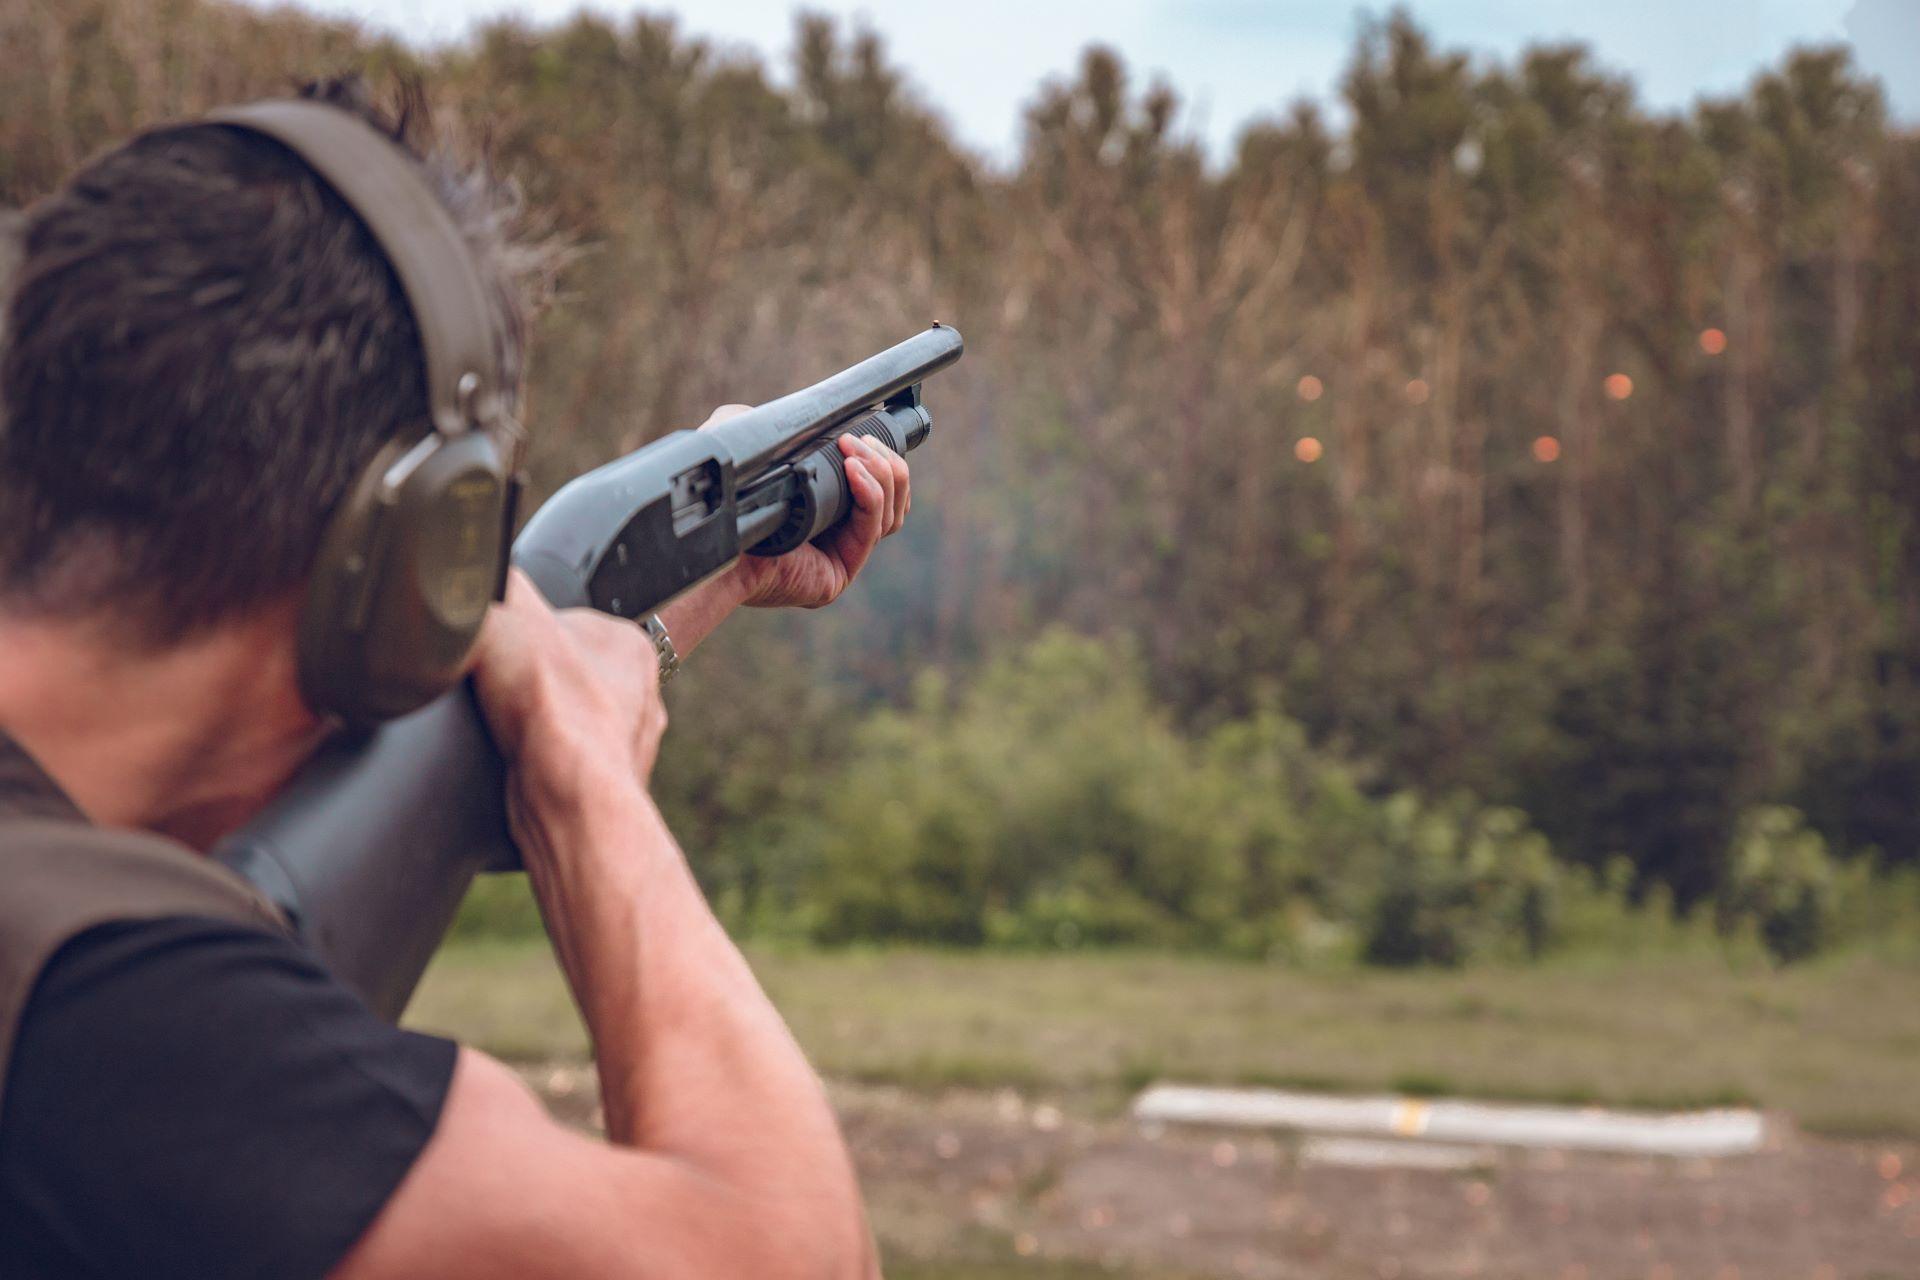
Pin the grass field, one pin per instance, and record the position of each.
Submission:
(1832, 1043)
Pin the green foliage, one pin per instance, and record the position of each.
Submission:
(1049, 804)
(1863, 768)
(1781, 878)
(1646, 748)
(1458, 883)
(1877, 908)
(1053, 805)
(498, 907)
(1600, 917)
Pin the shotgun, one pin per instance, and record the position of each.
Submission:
(372, 846)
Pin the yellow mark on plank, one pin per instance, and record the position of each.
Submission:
(1410, 1117)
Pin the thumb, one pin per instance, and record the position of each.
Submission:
(724, 412)
(511, 626)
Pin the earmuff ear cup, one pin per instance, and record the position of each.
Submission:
(401, 585)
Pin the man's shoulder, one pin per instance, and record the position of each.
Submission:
(65, 875)
(161, 992)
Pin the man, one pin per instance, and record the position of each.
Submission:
(202, 347)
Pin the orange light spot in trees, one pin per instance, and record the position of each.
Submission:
(1418, 391)
(1888, 1165)
(1619, 386)
(1307, 449)
(1311, 388)
(1546, 449)
(1713, 341)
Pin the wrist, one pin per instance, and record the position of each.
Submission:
(582, 824)
(743, 580)
(692, 617)
(566, 778)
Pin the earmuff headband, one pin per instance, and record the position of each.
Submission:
(385, 188)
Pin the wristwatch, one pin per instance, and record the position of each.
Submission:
(663, 646)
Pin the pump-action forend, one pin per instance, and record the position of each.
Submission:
(371, 848)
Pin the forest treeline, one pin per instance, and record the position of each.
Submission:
(1504, 451)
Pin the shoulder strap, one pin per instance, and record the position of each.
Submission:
(62, 877)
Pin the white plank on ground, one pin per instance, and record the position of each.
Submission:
(1694, 1133)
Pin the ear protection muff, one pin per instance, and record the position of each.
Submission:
(418, 548)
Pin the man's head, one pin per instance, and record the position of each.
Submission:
(203, 347)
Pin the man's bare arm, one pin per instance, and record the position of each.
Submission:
(725, 1159)
(724, 1156)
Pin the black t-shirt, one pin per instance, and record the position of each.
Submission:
(194, 1098)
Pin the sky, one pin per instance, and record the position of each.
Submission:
(979, 61)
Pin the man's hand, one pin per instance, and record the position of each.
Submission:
(812, 576)
(572, 699)
(809, 576)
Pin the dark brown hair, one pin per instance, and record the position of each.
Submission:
(202, 347)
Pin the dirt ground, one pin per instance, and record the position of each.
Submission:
(992, 1176)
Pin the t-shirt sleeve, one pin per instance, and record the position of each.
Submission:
(191, 1097)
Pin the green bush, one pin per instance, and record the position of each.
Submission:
(1877, 906)
(1599, 916)
(498, 907)
(1052, 805)
(1052, 801)
(1781, 879)
(1460, 882)
(1290, 827)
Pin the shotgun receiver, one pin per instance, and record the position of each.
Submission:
(371, 848)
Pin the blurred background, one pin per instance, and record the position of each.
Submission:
(1415, 588)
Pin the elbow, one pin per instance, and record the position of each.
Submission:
(820, 1242)
(856, 1258)
(793, 1221)
(845, 1249)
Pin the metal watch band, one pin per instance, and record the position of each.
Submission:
(663, 646)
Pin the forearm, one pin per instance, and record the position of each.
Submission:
(692, 617)
(695, 1062)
